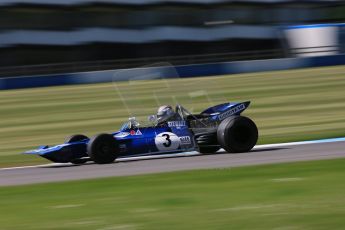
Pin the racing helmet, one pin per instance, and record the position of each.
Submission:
(164, 113)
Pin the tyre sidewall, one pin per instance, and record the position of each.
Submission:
(102, 148)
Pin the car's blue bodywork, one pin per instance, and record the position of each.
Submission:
(173, 136)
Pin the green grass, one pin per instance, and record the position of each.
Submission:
(286, 105)
(308, 195)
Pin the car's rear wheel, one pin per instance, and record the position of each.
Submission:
(102, 149)
(75, 138)
(237, 134)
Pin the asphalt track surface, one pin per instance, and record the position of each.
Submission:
(265, 154)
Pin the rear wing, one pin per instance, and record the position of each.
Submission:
(225, 110)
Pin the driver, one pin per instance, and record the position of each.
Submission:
(165, 113)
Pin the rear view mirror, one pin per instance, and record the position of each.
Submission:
(152, 119)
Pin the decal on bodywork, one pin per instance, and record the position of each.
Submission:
(135, 133)
(176, 123)
(231, 112)
(185, 140)
(167, 141)
(138, 132)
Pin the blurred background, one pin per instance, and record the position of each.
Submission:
(46, 36)
(267, 51)
(286, 56)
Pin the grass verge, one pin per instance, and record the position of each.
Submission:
(306, 195)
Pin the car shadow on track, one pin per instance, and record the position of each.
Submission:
(61, 165)
(159, 157)
(251, 152)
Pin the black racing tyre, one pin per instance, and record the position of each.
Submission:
(74, 138)
(102, 149)
(237, 134)
(208, 149)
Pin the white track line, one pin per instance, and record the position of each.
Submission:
(330, 140)
(33, 166)
(193, 153)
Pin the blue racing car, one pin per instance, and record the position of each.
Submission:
(170, 131)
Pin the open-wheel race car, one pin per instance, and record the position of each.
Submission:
(170, 131)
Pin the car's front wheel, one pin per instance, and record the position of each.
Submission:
(102, 149)
(76, 138)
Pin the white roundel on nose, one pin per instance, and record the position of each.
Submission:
(167, 141)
